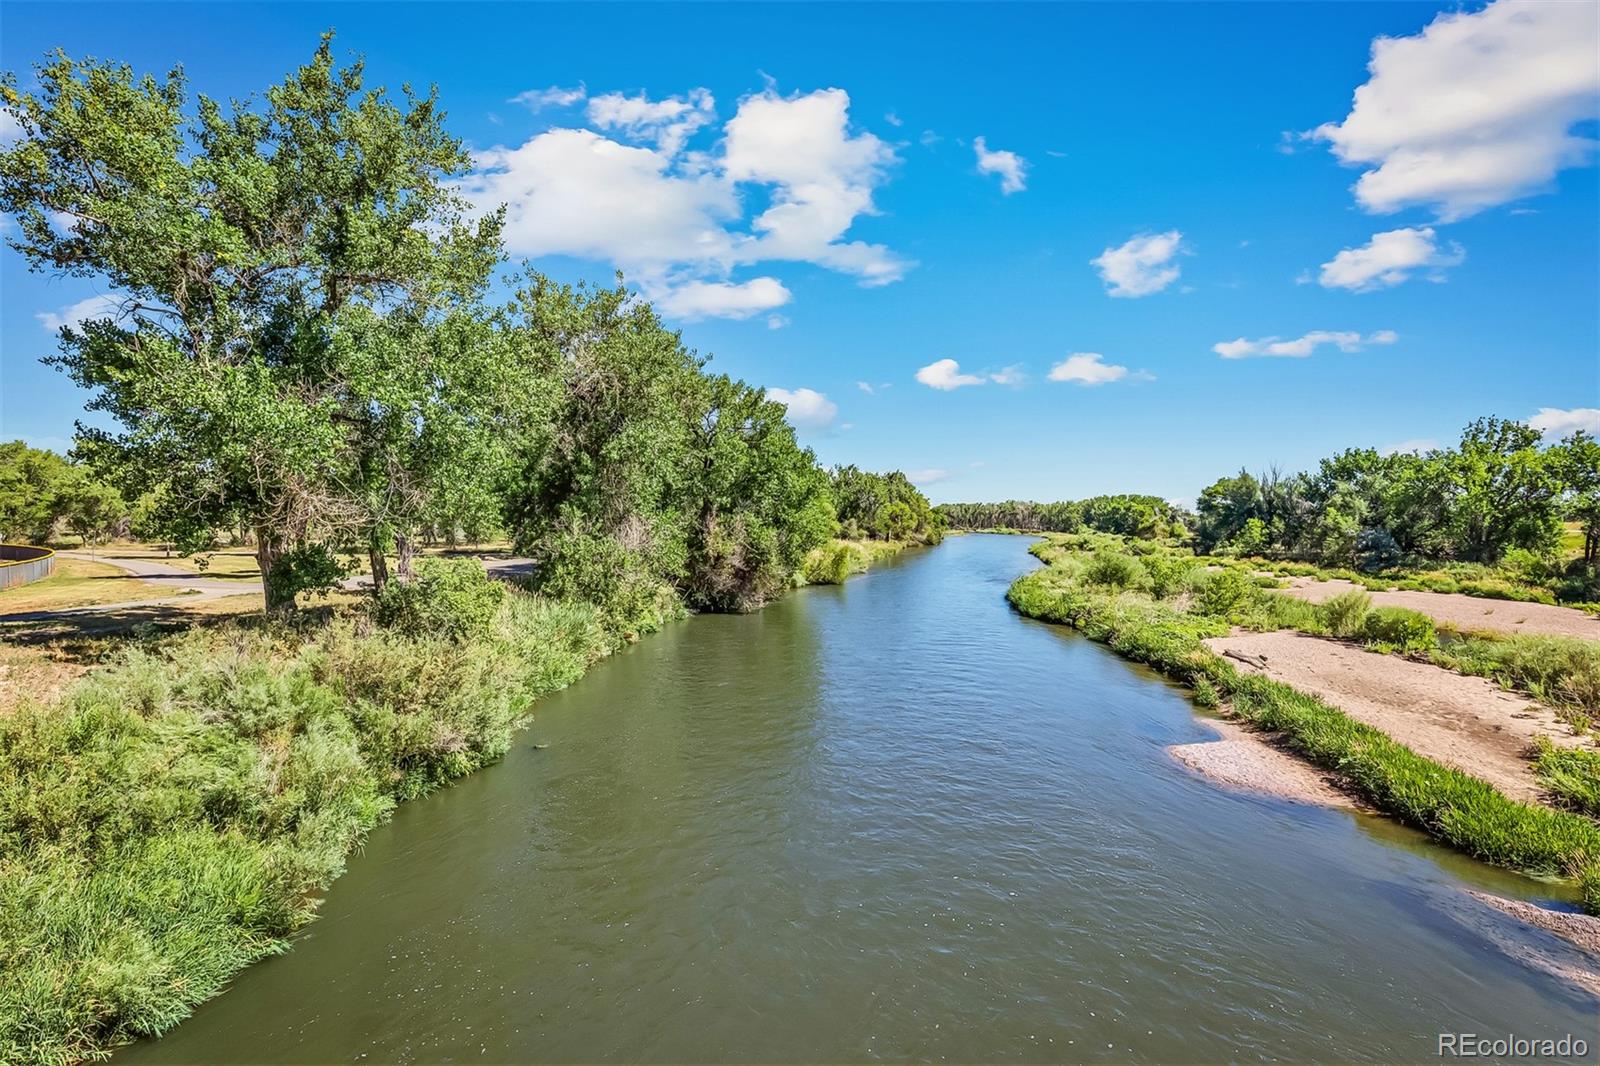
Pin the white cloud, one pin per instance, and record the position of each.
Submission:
(720, 299)
(673, 218)
(808, 408)
(75, 315)
(1300, 347)
(669, 123)
(945, 374)
(821, 179)
(1141, 266)
(1011, 167)
(1556, 423)
(1475, 110)
(1419, 446)
(555, 96)
(926, 477)
(776, 321)
(1087, 368)
(1388, 259)
(1012, 375)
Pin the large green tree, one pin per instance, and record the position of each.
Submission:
(281, 267)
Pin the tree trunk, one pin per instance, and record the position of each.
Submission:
(380, 565)
(403, 550)
(269, 549)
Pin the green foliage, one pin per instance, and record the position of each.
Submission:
(169, 820)
(621, 583)
(1222, 592)
(883, 506)
(298, 274)
(1114, 570)
(1563, 671)
(1345, 614)
(1571, 775)
(310, 568)
(1169, 573)
(451, 598)
(1124, 515)
(1400, 628)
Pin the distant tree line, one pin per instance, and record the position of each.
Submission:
(307, 350)
(1500, 489)
(1128, 515)
(43, 495)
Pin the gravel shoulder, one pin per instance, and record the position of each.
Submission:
(1464, 612)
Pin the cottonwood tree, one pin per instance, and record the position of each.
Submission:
(281, 269)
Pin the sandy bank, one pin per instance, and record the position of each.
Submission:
(1465, 612)
(1465, 722)
(1242, 759)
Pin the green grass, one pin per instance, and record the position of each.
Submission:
(1571, 775)
(1452, 806)
(1562, 671)
(173, 816)
(839, 559)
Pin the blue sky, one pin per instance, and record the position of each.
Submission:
(1146, 191)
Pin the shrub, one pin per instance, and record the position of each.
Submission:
(1114, 570)
(831, 564)
(1559, 670)
(1399, 627)
(1168, 573)
(451, 598)
(310, 568)
(1345, 613)
(1222, 592)
(1571, 775)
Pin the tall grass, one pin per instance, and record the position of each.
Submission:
(1452, 806)
(170, 819)
(1564, 671)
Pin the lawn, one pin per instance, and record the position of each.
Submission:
(79, 583)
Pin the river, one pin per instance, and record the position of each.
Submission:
(887, 820)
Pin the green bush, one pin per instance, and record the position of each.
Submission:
(1561, 670)
(1399, 627)
(1572, 775)
(1222, 592)
(1114, 570)
(1345, 614)
(452, 598)
(1168, 573)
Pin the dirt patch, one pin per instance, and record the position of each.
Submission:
(1465, 722)
(1570, 951)
(1464, 612)
(1247, 761)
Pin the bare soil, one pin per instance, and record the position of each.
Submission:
(1464, 612)
(1247, 761)
(1465, 722)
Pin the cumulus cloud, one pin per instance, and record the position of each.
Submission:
(669, 123)
(1012, 375)
(1142, 266)
(86, 310)
(720, 299)
(1087, 368)
(1556, 423)
(630, 191)
(926, 477)
(554, 96)
(1477, 109)
(808, 409)
(1300, 347)
(945, 374)
(1011, 167)
(1390, 258)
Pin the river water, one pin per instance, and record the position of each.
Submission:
(889, 820)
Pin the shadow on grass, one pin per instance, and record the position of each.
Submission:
(82, 634)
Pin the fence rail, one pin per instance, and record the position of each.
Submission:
(23, 563)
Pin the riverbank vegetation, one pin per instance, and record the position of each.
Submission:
(1114, 597)
(304, 357)
(1502, 515)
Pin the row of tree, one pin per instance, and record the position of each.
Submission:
(42, 495)
(1502, 487)
(883, 506)
(1127, 514)
(307, 348)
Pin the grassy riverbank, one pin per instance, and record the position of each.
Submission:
(836, 561)
(1130, 605)
(171, 817)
